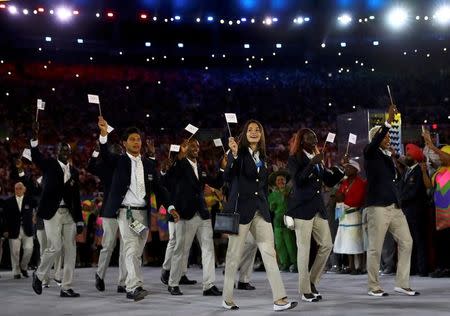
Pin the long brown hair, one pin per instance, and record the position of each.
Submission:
(296, 142)
(243, 141)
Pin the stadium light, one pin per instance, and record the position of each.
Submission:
(210, 18)
(397, 18)
(12, 9)
(344, 19)
(63, 14)
(247, 46)
(442, 15)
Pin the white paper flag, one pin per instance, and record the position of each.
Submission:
(109, 129)
(352, 138)
(330, 138)
(40, 105)
(218, 142)
(191, 129)
(27, 154)
(175, 148)
(93, 98)
(231, 117)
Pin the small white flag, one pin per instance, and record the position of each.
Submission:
(231, 117)
(109, 129)
(218, 142)
(175, 148)
(40, 105)
(93, 98)
(330, 138)
(27, 154)
(352, 138)
(191, 129)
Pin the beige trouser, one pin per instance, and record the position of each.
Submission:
(379, 221)
(170, 248)
(133, 247)
(110, 228)
(14, 246)
(318, 228)
(43, 244)
(248, 259)
(61, 231)
(185, 231)
(263, 233)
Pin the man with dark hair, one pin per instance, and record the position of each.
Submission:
(134, 177)
(195, 220)
(60, 208)
(99, 168)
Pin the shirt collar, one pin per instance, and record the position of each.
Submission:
(310, 156)
(255, 154)
(193, 164)
(133, 157)
(413, 166)
(64, 166)
(386, 152)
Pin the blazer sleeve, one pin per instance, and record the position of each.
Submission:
(93, 166)
(233, 167)
(38, 159)
(161, 193)
(373, 146)
(108, 157)
(300, 172)
(332, 176)
(76, 202)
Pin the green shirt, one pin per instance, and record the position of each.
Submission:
(278, 205)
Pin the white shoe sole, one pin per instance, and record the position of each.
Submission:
(311, 300)
(382, 294)
(229, 307)
(285, 307)
(402, 291)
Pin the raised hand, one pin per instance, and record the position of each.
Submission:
(233, 146)
(103, 126)
(392, 111)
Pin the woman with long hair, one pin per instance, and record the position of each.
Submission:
(248, 177)
(306, 206)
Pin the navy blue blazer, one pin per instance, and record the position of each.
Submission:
(187, 190)
(250, 185)
(120, 168)
(54, 189)
(413, 194)
(305, 200)
(382, 175)
(14, 218)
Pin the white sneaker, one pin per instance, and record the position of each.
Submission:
(285, 307)
(406, 291)
(309, 298)
(378, 293)
(230, 307)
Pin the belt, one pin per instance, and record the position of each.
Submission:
(138, 208)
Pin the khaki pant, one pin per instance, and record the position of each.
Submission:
(133, 247)
(61, 231)
(379, 221)
(185, 231)
(248, 259)
(318, 228)
(14, 247)
(43, 244)
(170, 248)
(263, 233)
(110, 228)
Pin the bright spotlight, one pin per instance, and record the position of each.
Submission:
(80, 41)
(268, 21)
(180, 45)
(210, 19)
(344, 19)
(12, 9)
(442, 15)
(343, 44)
(323, 45)
(63, 14)
(148, 44)
(25, 11)
(397, 18)
(198, 20)
(279, 45)
(247, 46)
(299, 20)
(177, 17)
(48, 39)
(376, 43)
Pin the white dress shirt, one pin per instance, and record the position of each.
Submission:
(194, 166)
(19, 200)
(136, 191)
(66, 170)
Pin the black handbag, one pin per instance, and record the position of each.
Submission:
(226, 222)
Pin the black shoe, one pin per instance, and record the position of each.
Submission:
(121, 289)
(315, 292)
(138, 294)
(174, 290)
(58, 282)
(213, 291)
(99, 283)
(25, 273)
(36, 284)
(69, 293)
(17, 276)
(184, 280)
(165, 274)
(245, 286)
(309, 297)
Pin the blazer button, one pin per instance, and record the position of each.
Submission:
(318, 180)
(257, 180)
(256, 193)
